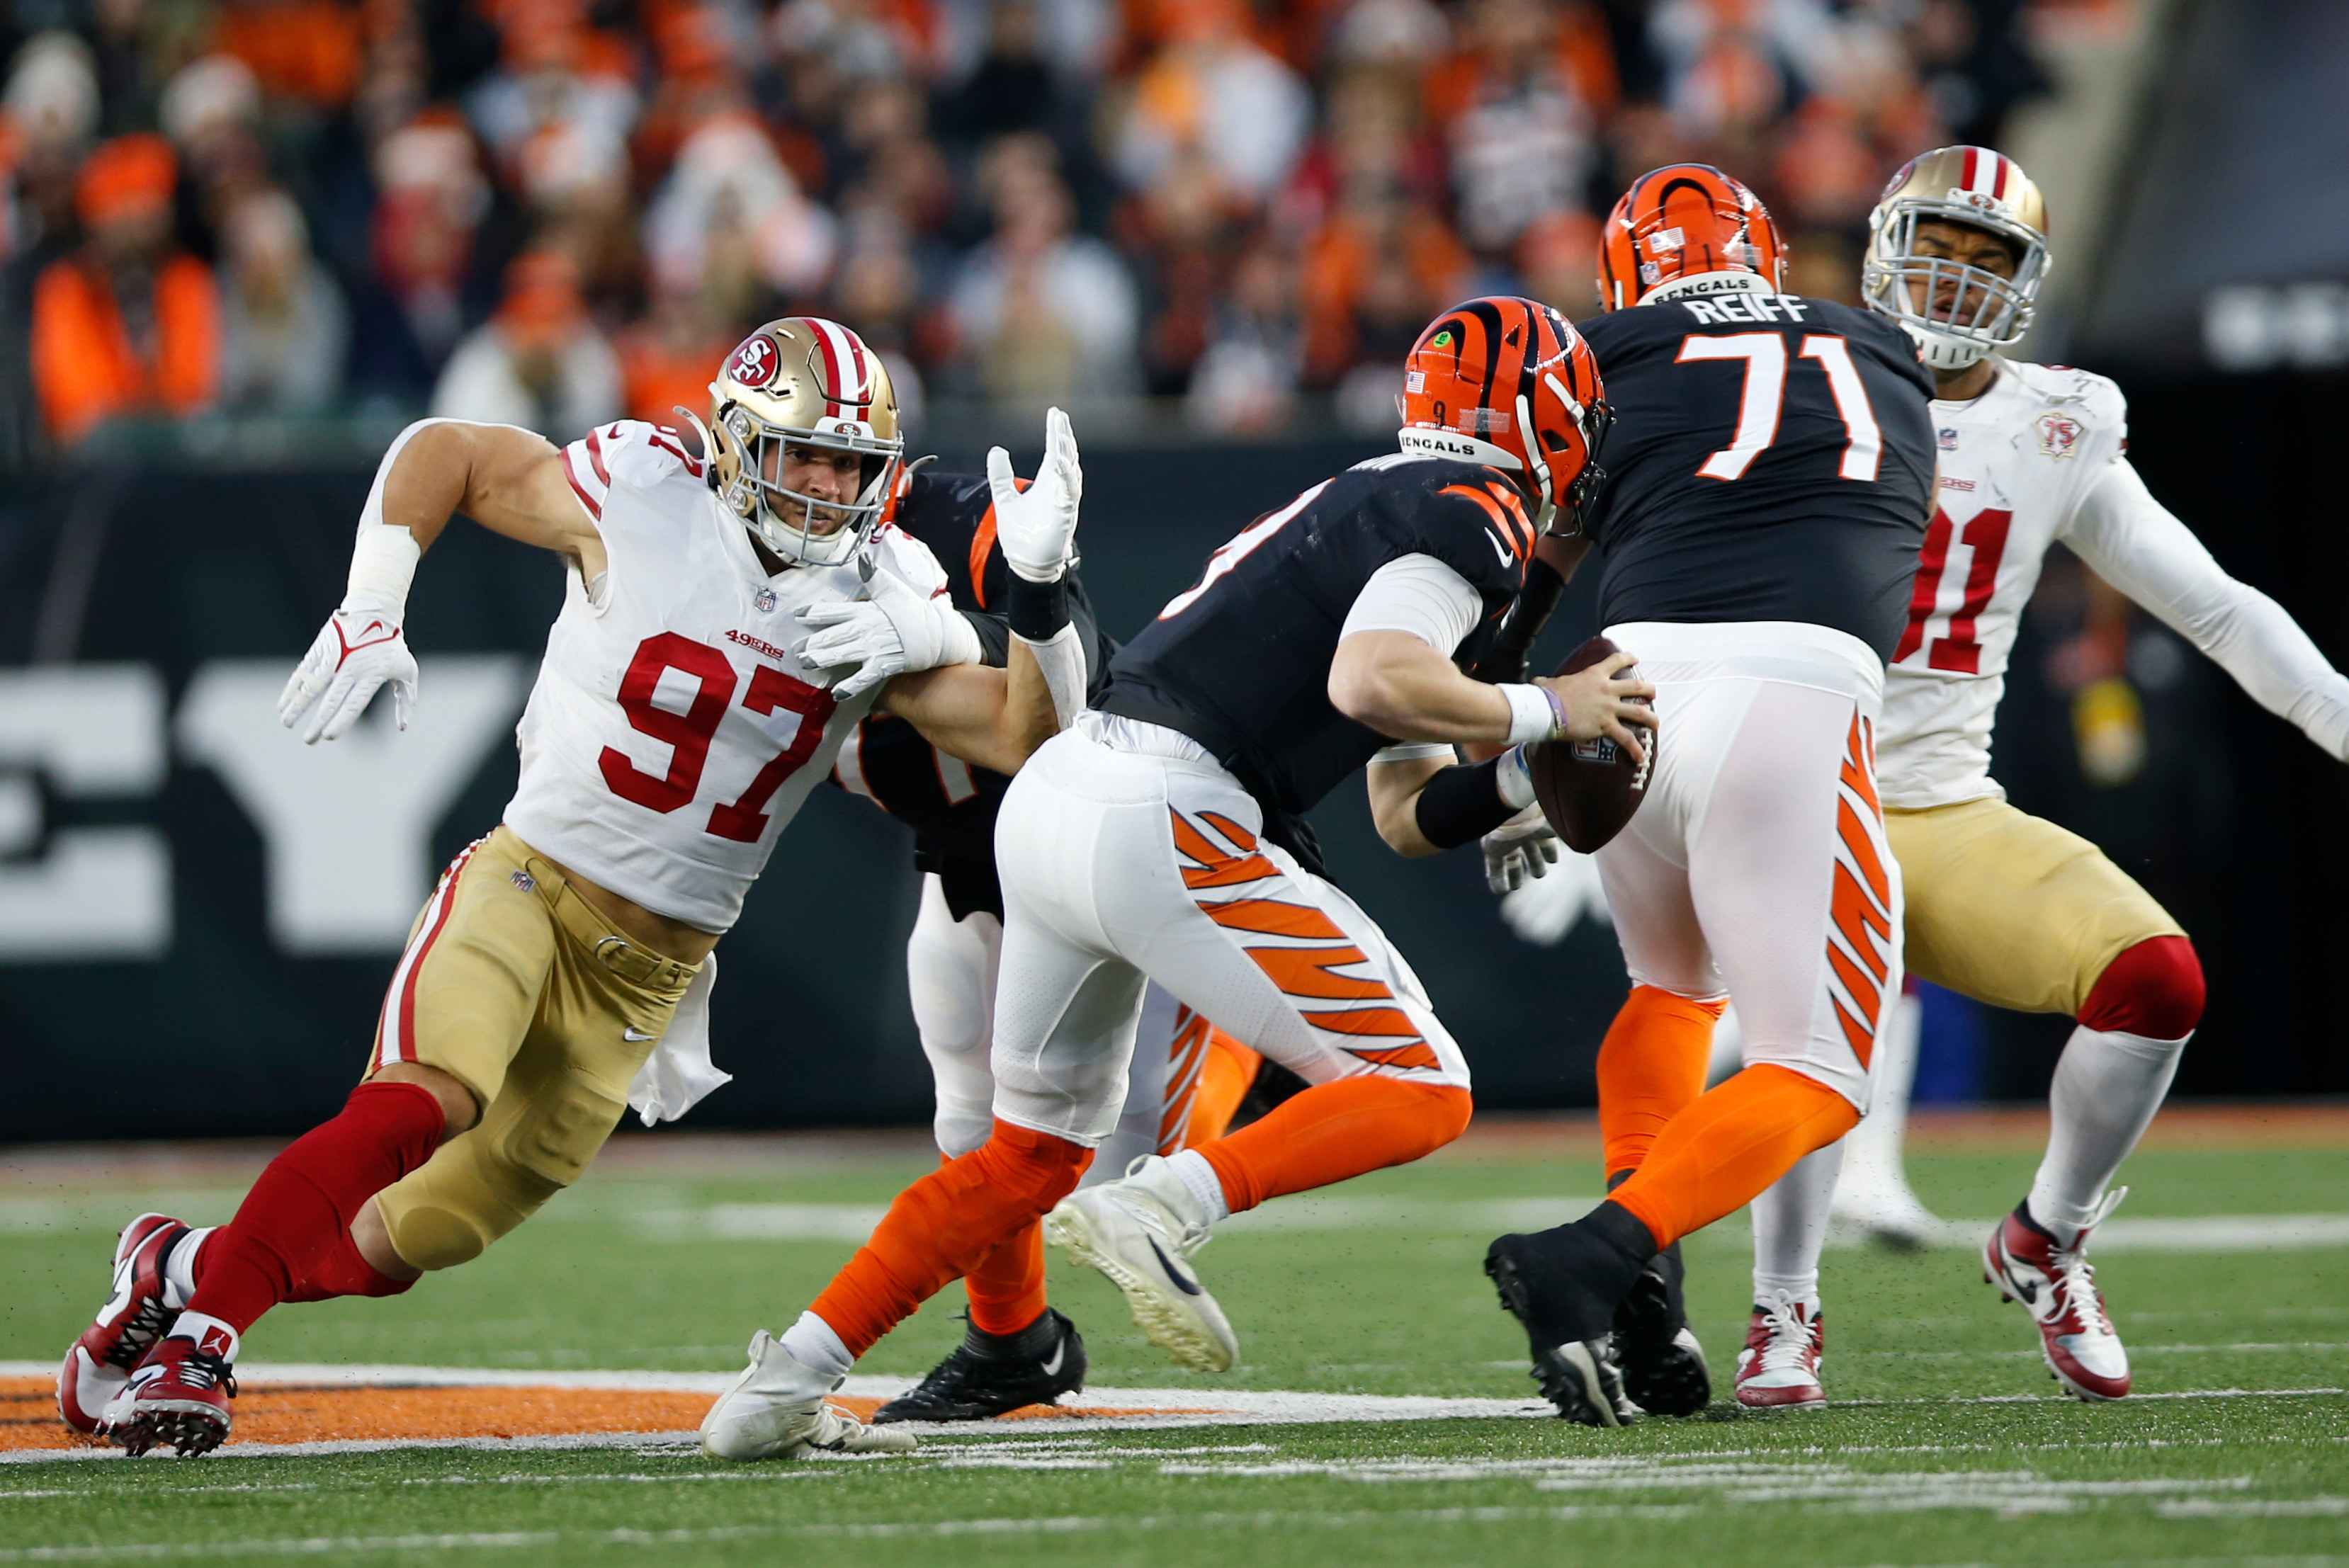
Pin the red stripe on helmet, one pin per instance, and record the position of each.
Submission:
(1971, 155)
(832, 370)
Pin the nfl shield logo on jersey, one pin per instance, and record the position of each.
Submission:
(2059, 434)
(765, 600)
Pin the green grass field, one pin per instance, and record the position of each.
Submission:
(1946, 1444)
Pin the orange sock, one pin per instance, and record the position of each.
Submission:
(1717, 1155)
(946, 1224)
(1334, 1130)
(1006, 1285)
(1223, 1081)
(1651, 1068)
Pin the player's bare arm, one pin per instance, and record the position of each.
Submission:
(989, 718)
(1400, 687)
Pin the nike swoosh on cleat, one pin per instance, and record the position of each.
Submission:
(1187, 1285)
(1060, 1354)
(631, 1033)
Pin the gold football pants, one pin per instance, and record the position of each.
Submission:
(2014, 911)
(514, 985)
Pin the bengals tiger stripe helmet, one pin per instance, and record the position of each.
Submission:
(1966, 311)
(1684, 222)
(803, 381)
(1508, 382)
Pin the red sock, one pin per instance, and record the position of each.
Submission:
(288, 1240)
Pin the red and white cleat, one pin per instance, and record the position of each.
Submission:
(2057, 1285)
(135, 1316)
(1779, 1367)
(178, 1396)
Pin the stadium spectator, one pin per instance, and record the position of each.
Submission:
(432, 276)
(1518, 107)
(130, 323)
(540, 363)
(284, 328)
(729, 187)
(1246, 382)
(1213, 88)
(1041, 312)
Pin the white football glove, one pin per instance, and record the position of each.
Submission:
(1038, 527)
(1521, 847)
(359, 649)
(892, 631)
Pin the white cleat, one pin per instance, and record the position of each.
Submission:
(1138, 1241)
(776, 1410)
(1885, 1211)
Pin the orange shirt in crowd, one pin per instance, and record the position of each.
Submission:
(84, 365)
(306, 49)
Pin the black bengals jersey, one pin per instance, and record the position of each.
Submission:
(1772, 460)
(1240, 662)
(951, 804)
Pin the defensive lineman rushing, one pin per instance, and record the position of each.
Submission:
(1160, 838)
(1187, 1076)
(1769, 479)
(2004, 907)
(681, 714)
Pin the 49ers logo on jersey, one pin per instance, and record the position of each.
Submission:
(2059, 434)
(755, 363)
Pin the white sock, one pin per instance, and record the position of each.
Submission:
(811, 1343)
(1873, 1151)
(180, 1264)
(1207, 1187)
(199, 1327)
(2107, 1087)
(1790, 1226)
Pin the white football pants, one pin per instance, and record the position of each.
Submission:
(1757, 865)
(950, 970)
(1124, 866)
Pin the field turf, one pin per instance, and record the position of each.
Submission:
(1946, 1444)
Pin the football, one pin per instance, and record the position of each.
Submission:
(1589, 789)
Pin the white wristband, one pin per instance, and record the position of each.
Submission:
(383, 564)
(1531, 715)
(1513, 779)
(959, 638)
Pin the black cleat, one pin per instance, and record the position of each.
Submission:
(990, 1374)
(1663, 1365)
(1565, 1319)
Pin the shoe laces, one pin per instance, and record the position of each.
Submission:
(1148, 1210)
(137, 1336)
(2075, 1277)
(206, 1369)
(1790, 1335)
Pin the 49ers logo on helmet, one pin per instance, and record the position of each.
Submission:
(755, 363)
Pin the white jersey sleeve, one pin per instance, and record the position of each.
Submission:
(2138, 545)
(1420, 595)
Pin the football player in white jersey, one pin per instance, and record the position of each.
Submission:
(727, 621)
(2004, 907)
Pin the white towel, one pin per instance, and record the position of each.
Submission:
(680, 1075)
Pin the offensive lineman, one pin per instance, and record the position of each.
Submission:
(1770, 476)
(2003, 907)
(1160, 838)
(1188, 1076)
(672, 733)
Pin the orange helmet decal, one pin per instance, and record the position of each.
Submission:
(1508, 382)
(1683, 220)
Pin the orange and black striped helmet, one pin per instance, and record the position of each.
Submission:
(1679, 222)
(1508, 382)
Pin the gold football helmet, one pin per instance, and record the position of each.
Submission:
(803, 381)
(1956, 313)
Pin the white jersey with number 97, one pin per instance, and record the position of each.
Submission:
(672, 733)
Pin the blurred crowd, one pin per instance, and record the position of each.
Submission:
(556, 212)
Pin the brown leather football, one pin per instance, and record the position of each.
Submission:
(1589, 789)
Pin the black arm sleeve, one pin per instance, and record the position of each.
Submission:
(1462, 804)
(1506, 662)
